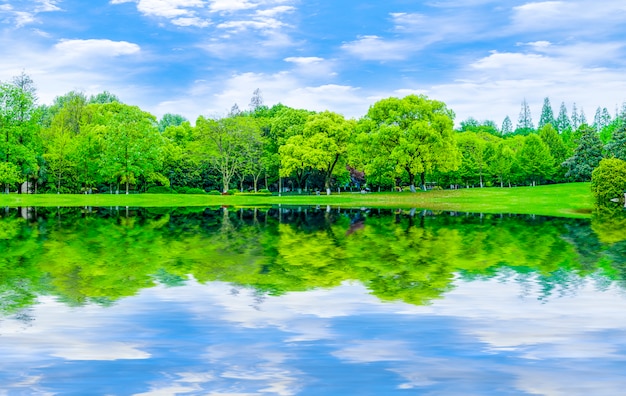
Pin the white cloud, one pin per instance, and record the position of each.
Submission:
(26, 14)
(96, 48)
(304, 60)
(231, 5)
(169, 8)
(376, 48)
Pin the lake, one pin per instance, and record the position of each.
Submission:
(310, 301)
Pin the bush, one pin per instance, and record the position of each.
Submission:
(195, 191)
(160, 190)
(232, 192)
(608, 180)
(265, 190)
(214, 192)
(181, 189)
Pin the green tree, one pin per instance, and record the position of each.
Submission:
(547, 115)
(608, 180)
(563, 122)
(170, 120)
(223, 144)
(558, 150)
(17, 128)
(535, 160)
(617, 145)
(323, 145)
(131, 144)
(502, 163)
(415, 135)
(586, 156)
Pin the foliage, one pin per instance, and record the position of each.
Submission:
(586, 157)
(160, 190)
(608, 180)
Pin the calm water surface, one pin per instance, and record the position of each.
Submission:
(309, 301)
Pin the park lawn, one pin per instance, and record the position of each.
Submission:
(563, 200)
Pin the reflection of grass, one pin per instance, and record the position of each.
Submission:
(566, 200)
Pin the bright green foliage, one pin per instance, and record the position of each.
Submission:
(502, 162)
(535, 161)
(412, 135)
(171, 120)
(286, 122)
(472, 125)
(224, 143)
(323, 145)
(9, 173)
(18, 131)
(608, 180)
(547, 115)
(557, 148)
(476, 153)
(586, 157)
(131, 145)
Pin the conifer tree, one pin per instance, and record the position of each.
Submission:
(586, 156)
(547, 115)
(575, 118)
(563, 122)
(507, 126)
(525, 121)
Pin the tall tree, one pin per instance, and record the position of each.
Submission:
(415, 135)
(131, 144)
(525, 121)
(616, 147)
(507, 126)
(323, 145)
(257, 100)
(535, 160)
(547, 115)
(223, 144)
(17, 129)
(575, 118)
(558, 150)
(586, 156)
(563, 122)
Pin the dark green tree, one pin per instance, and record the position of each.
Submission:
(617, 145)
(586, 156)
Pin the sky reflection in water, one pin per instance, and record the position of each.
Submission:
(497, 334)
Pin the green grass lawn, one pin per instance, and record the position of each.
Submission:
(565, 200)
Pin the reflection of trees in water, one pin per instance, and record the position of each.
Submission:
(87, 255)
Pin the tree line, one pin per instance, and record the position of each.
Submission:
(81, 144)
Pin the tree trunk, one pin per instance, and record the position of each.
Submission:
(423, 180)
(126, 187)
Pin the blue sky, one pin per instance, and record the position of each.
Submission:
(199, 57)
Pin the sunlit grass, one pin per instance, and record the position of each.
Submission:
(566, 200)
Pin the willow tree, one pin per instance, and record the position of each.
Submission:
(415, 135)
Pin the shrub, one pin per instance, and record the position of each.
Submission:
(160, 190)
(608, 180)
(265, 190)
(181, 189)
(195, 191)
(214, 192)
(232, 192)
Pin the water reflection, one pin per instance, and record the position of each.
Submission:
(83, 255)
(308, 301)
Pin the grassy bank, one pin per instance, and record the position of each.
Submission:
(565, 200)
